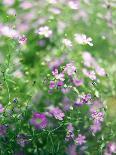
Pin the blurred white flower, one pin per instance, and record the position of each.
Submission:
(45, 31)
(83, 39)
(67, 42)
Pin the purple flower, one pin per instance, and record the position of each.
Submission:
(95, 127)
(60, 83)
(70, 132)
(52, 84)
(57, 113)
(39, 120)
(1, 108)
(71, 150)
(97, 116)
(3, 130)
(80, 139)
(22, 140)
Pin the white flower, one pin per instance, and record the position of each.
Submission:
(45, 31)
(83, 39)
(67, 42)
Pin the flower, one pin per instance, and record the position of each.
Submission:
(73, 5)
(45, 31)
(83, 39)
(52, 84)
(1, 108)
(110, 148)
(70, 132)
(70, 69)
(39, 120)
(95, 127)
(97, 116)
(80, 139)
(22, 40)
(77, 82)
(90, 74)
(67, 42)
(57, 113)
(22, 140)
(3, 130)
(60, 83)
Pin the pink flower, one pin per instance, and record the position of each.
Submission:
(45, 31)
(77, 82)
(57, 113)
(90, 74)
(1, 108)
(80, 139)
(70, 69)
(39, 120)
(83, 39)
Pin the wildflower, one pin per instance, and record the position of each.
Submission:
(52, 84)
(77, 82)
(67, 42)
(70, 69)
(97, 116)
(39, 120)
(9, 3)
(57, 113)
(73, 5)
(58, 76)
(2, 130)
(22, 140)
(1, 108)
(71, 150)
(70, 132)
(90, 74)
(95, 127)
(45, 31)
(80, 139)
(60, 83)
(22, 40)
(110, 149)
(83, 39)
(100, 71)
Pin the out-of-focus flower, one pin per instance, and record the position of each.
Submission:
(1, 108)
(8, 2)
(80, 139)
(95, 127)
(96, 106)
(11, 12)
(55, 10)
(110, 148)
(100, 71)
(83, 99)
(77, 82)
(73, 5)
(90, 74)
(22, 40)
(71, 150)
(97, 116)
(70, 69)
(39, 120)
(58, 76)
(57, 113)
(3, 130)
(26, 5)
(22, 140)
(45, 31)
(18, 74)
(9, 32)
(67, 42)
(83, 39)
(89, 61)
